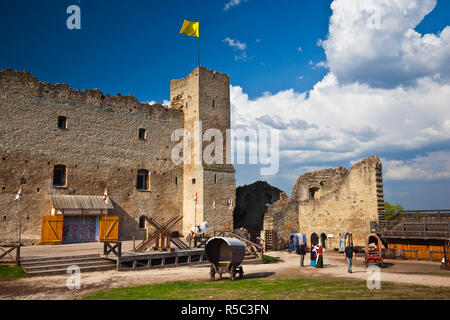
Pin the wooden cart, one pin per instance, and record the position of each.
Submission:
(373, 250)
(225, 255)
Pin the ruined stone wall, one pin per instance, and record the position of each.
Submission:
(251, 205)
(346, 201)
(100, 148)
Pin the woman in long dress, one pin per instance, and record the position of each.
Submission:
(313, 256)
(319, 263)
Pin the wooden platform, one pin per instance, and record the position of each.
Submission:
(147, 260)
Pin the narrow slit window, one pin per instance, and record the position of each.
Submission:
(62, 122)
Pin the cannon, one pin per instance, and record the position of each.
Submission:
(225, 255)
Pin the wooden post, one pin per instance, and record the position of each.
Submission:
(134, 242)
(18, 255)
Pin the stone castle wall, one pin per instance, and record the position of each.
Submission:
(251, 205)
(344, 201)
(100, 148)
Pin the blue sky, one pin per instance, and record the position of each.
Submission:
(388, 88)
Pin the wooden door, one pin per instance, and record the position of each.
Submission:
(109, 228)
(52, 229)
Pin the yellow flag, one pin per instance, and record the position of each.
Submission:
(191, 28)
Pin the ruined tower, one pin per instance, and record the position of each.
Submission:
(204, 97)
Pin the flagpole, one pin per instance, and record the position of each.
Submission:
(198, 51)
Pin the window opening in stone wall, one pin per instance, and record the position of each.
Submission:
(142, 222)
(142, 180)
(193, 181)
(313, 193)
(62, 122)
(215, 178)
(142, 134)
(176, 180)
(59, 175)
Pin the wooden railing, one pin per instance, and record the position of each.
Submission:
(418, 229)
(6, 250)
(114, 247)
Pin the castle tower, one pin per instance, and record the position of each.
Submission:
(204, 97)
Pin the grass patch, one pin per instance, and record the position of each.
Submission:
(269, 259)
(273, 289)
(7, 272)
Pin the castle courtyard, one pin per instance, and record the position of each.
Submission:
(407, 279)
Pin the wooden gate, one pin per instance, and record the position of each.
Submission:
(109, 228)
(52, 229)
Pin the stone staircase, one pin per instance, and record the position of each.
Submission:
(58, 265)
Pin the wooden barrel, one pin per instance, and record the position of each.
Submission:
(399, 254)
(389, 253)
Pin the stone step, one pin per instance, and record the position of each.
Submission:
(64, 271)
(64, 265)
(36, 263)
(41, 259)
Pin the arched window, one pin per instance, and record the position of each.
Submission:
(314, 239)
(142, 180)
(313, 193)
(59, 175)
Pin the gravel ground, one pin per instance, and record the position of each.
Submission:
(55, 287)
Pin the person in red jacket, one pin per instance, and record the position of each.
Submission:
(319, 263)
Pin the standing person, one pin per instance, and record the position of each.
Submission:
(313, 256)
(319, 263)
(301, 250)
(349, 255)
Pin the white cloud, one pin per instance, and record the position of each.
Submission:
(348, 115)
(435, 165)
(387, 53)
(339, 122)
(233, 3)
(235, 43)
(238, 48)
(299, 49)
(322, 64)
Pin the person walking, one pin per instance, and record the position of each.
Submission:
(349, 255)
(301, 250)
